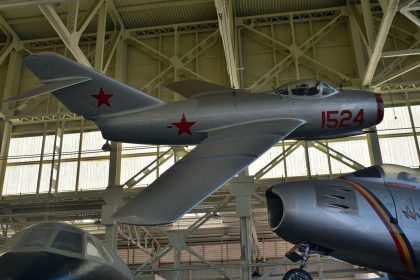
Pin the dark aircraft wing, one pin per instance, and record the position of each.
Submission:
(225, 153)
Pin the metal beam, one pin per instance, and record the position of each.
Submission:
(115, 15)
(401, 53)
(161, 5)
(397, 73)
(386, 22)
(116, 37)
(11, 88)
(71, 40)
(407, 9)
(90, 15)
(6, 51)
(357, 46)
(8, 28)
(25, 3)
(292, 51)
(73, 16)
(100, 38)
(187, 58)
(227, 29)
(400, 87)
(368, 20)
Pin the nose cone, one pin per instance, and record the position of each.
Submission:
(380, 108)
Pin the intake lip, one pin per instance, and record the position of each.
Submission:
(275, 208)
(380, 108)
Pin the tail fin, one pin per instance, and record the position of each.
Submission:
(95, 94)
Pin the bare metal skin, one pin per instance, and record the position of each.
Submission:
(51, 251)
(369, 218)
(231, 127)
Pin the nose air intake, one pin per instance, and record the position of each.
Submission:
(275, 208)
(380, 108)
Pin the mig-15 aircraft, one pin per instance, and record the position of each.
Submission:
(231, 127)
(369, 218)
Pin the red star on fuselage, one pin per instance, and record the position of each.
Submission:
(184, 126)
(102, 98)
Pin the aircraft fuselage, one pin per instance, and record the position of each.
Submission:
(361, 218)
(51, 266)
(188, 121)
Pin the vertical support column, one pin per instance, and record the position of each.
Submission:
(329, 160)
(246, 241)
(243, 188)
(176, 37)
(369, 24)
(113, 197)
(72, 16)
(100, 38)
(41, 159)
(114, 193)
(115, 165)
(177, 263)
(374, 147)
(178, 244)
(307, 160)
(227, 29)
(10, 89)
(357, 48)
(413, 126)
(79, 153)
(116, 147)
(372, 136)
(56, 159)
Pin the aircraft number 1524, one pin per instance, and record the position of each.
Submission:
(344, 118)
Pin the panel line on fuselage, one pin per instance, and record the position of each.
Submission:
(404, 247)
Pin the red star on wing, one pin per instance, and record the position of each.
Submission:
(102, 98)
(184, 126)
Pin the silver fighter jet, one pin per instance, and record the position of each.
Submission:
(58, 251)
(369, 218)
(231, 127)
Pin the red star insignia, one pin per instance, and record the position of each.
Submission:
(102, 98)
(184, 126)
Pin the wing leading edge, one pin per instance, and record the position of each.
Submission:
(225, 152)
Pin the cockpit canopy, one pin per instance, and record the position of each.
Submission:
(390, 173)
(313, 88)
(59, 238)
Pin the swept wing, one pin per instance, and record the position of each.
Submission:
(225, 153)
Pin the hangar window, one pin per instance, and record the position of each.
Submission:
(68, 241)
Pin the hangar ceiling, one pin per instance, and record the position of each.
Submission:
(250, 44)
